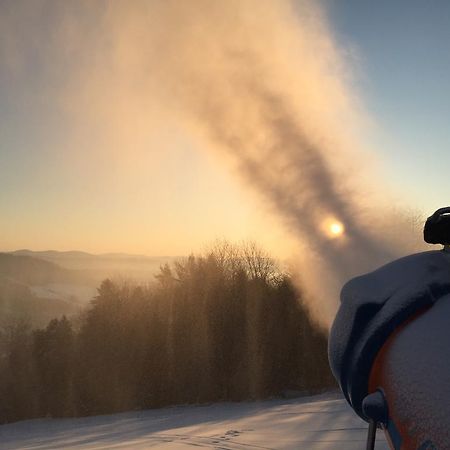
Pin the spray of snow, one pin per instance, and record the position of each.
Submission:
(266, 88)
(260, 83)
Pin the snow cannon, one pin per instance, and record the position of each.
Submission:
(389, 346)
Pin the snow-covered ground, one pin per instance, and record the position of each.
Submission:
(313, 423)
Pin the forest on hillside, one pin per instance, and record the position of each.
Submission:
(226, 325)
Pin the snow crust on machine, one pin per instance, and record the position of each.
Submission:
(373, 306)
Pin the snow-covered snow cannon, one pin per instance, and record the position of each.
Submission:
(389, 346)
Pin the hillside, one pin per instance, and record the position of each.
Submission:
(323, 422)
(33, 271)
(26, 289)
(38, 286)
(19, 301)
(98, 267)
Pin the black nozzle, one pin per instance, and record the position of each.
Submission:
(437, 227)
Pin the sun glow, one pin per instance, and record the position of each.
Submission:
(336, 228)
(333, 228)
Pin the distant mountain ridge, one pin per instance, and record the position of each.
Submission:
(102, 265)
(79, 254)
(37, 290)
(40, 285)
(29, 270)
(48, 253)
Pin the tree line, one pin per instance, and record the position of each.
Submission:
(226, 325)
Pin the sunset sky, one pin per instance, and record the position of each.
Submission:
(84, 167)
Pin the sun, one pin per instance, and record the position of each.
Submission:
(333, 228)
(336, 228)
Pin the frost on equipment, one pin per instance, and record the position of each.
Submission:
(389, 345)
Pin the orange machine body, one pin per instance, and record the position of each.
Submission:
(413, 372)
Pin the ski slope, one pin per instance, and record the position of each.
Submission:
(313, 423)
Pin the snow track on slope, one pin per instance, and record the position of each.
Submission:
(322, 422)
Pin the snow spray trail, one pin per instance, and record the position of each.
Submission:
(260, 83)
(265, 85)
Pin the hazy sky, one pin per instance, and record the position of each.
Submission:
(66, 186)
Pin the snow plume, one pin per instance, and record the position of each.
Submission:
(261, 84)
(264, 85)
